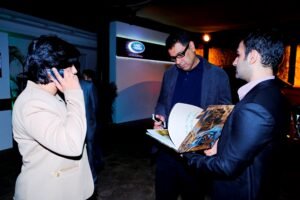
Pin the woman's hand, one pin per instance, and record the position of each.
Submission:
(68, 82)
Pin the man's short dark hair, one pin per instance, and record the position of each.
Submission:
(269, 44)
(182, 37)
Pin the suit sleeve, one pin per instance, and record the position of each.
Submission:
(94, 103)
(251, 131)
(160, 107)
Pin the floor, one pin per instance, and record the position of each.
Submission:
(128, 173)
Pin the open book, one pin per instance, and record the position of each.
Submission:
(191, 128)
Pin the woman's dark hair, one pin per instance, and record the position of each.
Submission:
(46, 52)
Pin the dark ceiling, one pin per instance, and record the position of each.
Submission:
(214, 15)
(204, 16)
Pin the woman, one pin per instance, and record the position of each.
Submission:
(50, 130)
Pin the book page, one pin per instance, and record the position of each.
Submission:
(208, 128)
(163, 138)
(182, 119)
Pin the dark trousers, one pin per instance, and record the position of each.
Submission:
(173, 178)
(90, 144)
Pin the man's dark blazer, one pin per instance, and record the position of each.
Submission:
(215, 88)
(91, 106)
(245, 166)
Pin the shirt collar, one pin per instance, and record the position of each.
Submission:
(242, 91)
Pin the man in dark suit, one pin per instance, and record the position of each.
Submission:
(245, 161)
(194, 81)
(91, 107)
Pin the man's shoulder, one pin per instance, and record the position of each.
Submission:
(171, 70)
(85, 83)
(208, 65)
(214, 70)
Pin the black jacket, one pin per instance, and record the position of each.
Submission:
(246, 166)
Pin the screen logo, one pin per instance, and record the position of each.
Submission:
(136, 47)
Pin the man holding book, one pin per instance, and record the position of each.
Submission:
(245, 163)
(191, 80)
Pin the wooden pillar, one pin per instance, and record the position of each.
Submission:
(292, 63)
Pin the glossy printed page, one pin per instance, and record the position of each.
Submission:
(182, 119)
